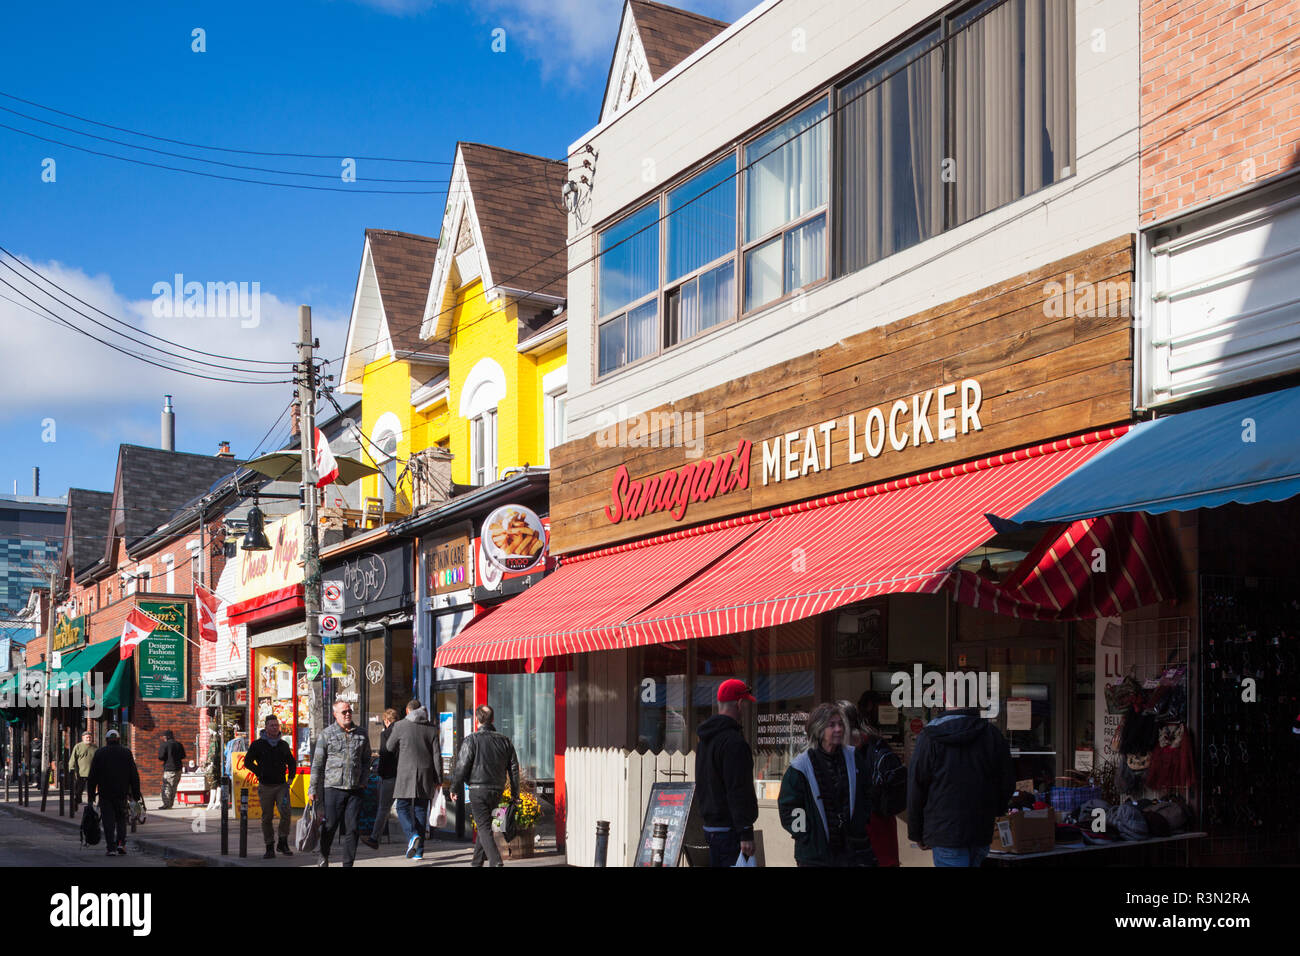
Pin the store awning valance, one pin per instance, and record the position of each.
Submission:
(76, 665)
(582, 606)
(1245, 451)
(297, 631)
(769, 568)
(900, 536)
(264, 607)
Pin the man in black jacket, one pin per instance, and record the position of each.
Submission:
(724, 784)
(172, 755)
(960, 779)
(114, 776)
(486, 759)
(271, 761)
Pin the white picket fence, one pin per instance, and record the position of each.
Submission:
(614, 785)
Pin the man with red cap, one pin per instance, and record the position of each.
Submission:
(724, 772)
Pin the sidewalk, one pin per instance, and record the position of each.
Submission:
(192, 836)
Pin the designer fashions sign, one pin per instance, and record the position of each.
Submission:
(160, 662)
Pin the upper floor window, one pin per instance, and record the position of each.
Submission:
(483, 447)
(629, 287)
(701, 250)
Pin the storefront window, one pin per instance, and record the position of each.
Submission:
(716, 659)
(525, 712)
(660, 689)
(785, 661)
(401, 672)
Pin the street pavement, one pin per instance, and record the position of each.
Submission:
(191, 836)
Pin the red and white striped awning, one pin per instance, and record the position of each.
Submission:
(899, 536)
(767, 568)
(582, 606)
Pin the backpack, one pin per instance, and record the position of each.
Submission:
(888, 780)
(90, 831)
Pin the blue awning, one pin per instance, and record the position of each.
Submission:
(1244, 451)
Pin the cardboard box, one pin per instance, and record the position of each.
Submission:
(1031, 831)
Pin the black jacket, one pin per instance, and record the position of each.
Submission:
(960, 779)
(271, 764)
(387, 758)
(724, 777)
(172, 755)
(113, 774)
(486, 759)
(888, 777)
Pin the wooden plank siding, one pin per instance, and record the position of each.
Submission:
(1042, 376)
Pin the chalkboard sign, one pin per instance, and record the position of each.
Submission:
(673, 804)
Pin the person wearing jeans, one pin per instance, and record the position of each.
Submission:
(486, 762)
(415, 742)
(339, 768)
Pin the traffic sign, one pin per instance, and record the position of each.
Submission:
(330, 626)
(332, 597)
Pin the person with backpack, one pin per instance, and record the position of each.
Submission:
(115, 778)
(888, 779)
(171, 753)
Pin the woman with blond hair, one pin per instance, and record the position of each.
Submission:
(825, 799)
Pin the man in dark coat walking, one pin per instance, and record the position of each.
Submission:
(486, 760)
(271, 760)
(114, 776)
(171, 752)
(416, 743)
(724, 771)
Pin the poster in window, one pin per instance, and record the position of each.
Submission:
(860, 634)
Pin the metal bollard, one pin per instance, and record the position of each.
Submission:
(658, 840)
(243, 821)
(45, 787)
(602, 841)
(225, 816)
(63, 782)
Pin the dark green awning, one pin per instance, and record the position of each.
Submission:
(118, 692)
(76, 665)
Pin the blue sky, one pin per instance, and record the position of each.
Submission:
(349, 78)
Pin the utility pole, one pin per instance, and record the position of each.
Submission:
(49, 667)
(310, 526)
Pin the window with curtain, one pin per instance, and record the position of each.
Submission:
(483, 447)
(388, 449)
(1011, 102)
(889, 141)
(701, 234)
(629, 286)
(786, 192)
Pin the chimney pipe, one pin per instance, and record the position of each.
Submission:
(36, 482)
(223, 450)
(168, 425)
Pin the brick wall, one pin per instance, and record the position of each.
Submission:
(1220, 98)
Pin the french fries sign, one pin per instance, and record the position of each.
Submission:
(514, 539)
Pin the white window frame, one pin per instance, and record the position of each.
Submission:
(169, 564)
(555, 390)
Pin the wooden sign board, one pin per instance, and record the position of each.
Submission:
(1044, 369)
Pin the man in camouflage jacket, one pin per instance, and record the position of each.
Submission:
(339, 768)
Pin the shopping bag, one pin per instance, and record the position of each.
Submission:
(135, 812)
(438, 810)
(90, 828)
(743, 860)
(308, 834)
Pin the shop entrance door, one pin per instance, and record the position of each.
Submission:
(454, 700)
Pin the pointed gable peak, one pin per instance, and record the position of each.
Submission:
(652, 39)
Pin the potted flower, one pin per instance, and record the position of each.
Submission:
(527, 811)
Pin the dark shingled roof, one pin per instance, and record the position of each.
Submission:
(85, 529)
(403, 267)
(517, 202)
(156, 483)
(669, 35)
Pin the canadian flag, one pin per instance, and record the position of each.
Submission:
(208, 604)
(138, 626)
(327, 469)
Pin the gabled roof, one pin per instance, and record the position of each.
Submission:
(152, 484)
(388, 302)
(512, 204)
(652, 39)
(85, 528)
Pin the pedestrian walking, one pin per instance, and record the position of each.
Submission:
(237, 744)
(171, 753)
(271, 760)
(415, 741)
(880, 765)
(486, 761)
(825, 799)
(387, 779)
(959, 781)
(79, 766)
(115, 778)
(724, 771)
(339, 769)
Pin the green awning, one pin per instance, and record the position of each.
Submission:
(77, 664)
(9, 688)
(118, 692)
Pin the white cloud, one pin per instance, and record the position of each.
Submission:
(80, 382)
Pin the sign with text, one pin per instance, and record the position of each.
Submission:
(447, 564)
(69, 633)
(261, 572)
(672, 804)
(372, 582)
(331, 597)
(160, 662)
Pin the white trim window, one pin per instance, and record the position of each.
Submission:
(169, 563)
(483, 447)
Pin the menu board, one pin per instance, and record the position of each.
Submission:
(673, 804)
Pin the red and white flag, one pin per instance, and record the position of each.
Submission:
(138, 626)
(327, 468)
(208, 605)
